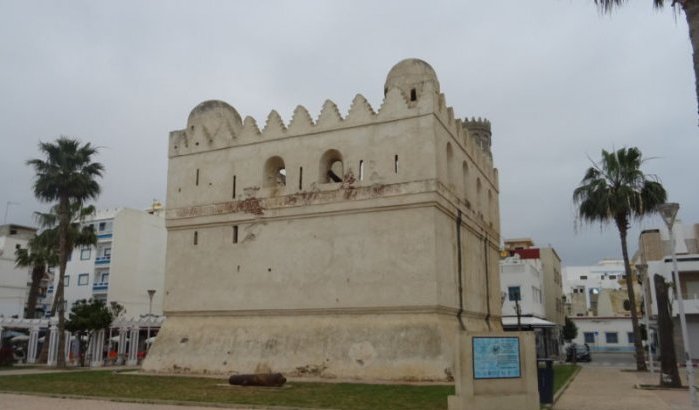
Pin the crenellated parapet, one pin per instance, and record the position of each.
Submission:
(411, 90)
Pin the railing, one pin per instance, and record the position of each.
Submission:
(102, 260)
(106, 235)
(100, 286)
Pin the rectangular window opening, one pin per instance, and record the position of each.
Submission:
(235, 233)
(513, 293)
(234, 181)
(196, 182)
(196, 237)
(589, 337)
(611, 337)
(395, 164)
(300, 178)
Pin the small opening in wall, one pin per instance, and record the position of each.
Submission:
(196, 237)
(196, 143)
(275, 172)
(385, 91)
(361, 169)
(395, 164)
(196, 179)
(175, 146)
(300, 178)
(234, 181)
(235, 233)
(413, 95)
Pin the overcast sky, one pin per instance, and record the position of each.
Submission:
(558, 80)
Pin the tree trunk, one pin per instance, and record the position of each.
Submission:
(37, 275)
(691, 12)
(669, 374)
(44, 354)
(63, 223)
(630, 280)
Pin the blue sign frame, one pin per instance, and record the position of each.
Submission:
(496, 358)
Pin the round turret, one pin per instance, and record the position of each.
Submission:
(212, 112)
(410, 75)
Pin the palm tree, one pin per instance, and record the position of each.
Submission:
(616, 190)
(66, 177)
(40, 255)
(78, 236)
(691, 12)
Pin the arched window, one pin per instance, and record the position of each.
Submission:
(450, 165)
(331, 167)
(490, 207)
(274, 172)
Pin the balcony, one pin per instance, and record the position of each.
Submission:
(103, 260)
(100, 287)
(691, 305)
(102, 236)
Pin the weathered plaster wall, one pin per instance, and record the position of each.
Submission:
(323, 273)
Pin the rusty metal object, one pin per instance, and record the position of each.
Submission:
(260, 379)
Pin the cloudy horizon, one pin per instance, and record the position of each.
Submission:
(558, 80)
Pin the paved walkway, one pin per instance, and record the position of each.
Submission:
(597, 388)
(25, 402)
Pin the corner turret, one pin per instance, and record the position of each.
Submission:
(479, 130)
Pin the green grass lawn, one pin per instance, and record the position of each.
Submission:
(205, 390)
(561, 374)
(208, 390)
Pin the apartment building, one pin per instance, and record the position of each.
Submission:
(13, 280)
(655, 250)
(531, 282)
(127, 261)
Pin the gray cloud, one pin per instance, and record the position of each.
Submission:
(558, 80)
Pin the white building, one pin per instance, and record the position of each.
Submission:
(13, 280)
(590, 281)
(654, 249)
(128, 260)
(531, 278)
(605, 334)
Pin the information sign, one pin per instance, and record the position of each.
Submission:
(496, 358)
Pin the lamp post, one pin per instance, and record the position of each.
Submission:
(643, 273)
(669, 211)
(151, 292)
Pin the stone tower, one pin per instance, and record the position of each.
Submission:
(345, 246)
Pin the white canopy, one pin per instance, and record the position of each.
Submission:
(529, 321)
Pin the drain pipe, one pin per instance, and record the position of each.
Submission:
(461, 286)
(487, 280)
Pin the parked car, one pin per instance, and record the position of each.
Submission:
(581, 352)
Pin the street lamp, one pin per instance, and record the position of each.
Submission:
(669, 211)
(643, 273)
(151, 292)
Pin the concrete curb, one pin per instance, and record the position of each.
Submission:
(163, 402)
(563, 388)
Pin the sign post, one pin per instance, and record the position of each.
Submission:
(495, 370)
